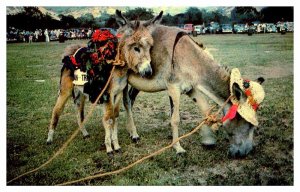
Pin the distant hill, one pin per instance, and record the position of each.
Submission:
(98, 11)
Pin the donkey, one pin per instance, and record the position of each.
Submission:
(181, 66)
(134, 47)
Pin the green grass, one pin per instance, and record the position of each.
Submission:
(30, 103)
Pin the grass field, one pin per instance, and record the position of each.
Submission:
(33, 72)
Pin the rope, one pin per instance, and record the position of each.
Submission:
(74, 134)
(117, 62)
(207, 120)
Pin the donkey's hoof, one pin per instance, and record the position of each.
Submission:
(49, 142)
(86, 136)
(119, 151)
(180, 153)
(208, 146)
(135, 139)
(110, 155)
(208, 141)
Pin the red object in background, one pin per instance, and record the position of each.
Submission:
(102, 35)
(188, 27)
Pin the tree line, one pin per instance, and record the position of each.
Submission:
(32, 18)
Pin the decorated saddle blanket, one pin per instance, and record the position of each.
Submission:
(90, 65)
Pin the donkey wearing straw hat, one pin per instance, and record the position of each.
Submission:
(181, 66)
(134, 50)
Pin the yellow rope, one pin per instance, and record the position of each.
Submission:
(207, 119)
(74, 134)
(136, 162)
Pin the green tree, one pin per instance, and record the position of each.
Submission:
(168, 20)
(87, 20)
(68, 21)
(31, 18)
(193, 15)
(139, 13)
(275, 14)
(244, 14)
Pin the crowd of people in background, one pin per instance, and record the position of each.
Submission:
(39, 35)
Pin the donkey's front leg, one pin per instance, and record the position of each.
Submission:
(111, 111)
(174, 93)
(114, 136)
(107, 121)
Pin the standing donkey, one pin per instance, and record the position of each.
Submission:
(181, 66)
(134, 46)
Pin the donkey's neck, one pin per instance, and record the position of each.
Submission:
(217, 77)
(214, 77)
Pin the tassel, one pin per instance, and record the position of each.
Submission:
(231, 113)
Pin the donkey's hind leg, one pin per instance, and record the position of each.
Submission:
(128, 100)
(174, 93)
(79, 102)
(66, 87)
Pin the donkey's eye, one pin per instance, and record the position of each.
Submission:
(137, 49)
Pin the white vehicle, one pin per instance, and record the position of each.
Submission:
(289, 26)
(199, 29)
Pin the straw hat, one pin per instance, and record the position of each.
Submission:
(254, 93)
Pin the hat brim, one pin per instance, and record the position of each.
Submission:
(247, 112)
(244, 109)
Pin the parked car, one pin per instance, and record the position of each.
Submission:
(290, 26)
(271, 28)
(226, 28)
(213, 28)
(250, 29)
(239, 28)
(199, 29)
(189, 28)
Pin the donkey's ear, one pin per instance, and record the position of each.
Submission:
(136, 24)
(154, 20)
(238, 92)
(260, 80)
(121, 20)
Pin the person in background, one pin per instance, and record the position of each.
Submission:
(46, 33)
(30, 38)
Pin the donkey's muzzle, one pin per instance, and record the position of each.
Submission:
(241, 150)
(145, 70)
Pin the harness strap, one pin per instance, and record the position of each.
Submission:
(178, 36)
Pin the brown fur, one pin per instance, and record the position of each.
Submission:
(134, 49)
(195, 72)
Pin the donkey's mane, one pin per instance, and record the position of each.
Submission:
(224, 72)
